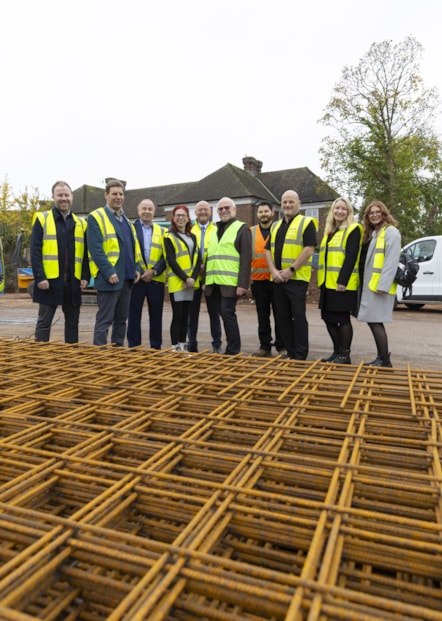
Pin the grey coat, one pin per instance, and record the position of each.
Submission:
(378, 307)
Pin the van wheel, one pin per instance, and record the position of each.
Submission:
(31, 288)
(414, 306)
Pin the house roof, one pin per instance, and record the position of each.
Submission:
(229, 180)
(226, 181)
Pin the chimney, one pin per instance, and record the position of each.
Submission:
(252, 165)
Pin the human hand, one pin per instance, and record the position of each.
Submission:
(43, 285)
(113, 279)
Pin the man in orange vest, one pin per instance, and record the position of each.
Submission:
(262, 286)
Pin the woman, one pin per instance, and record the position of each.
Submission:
(378, 288)
(183, 266)
(338, 277)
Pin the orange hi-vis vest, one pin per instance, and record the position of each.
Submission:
(260, 270)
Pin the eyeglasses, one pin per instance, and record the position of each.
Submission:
(224, 208)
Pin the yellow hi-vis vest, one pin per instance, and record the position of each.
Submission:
(223, 258)
(111, 246)
(378, 263)
(184, 260)
(196, 230)
(260, 270)
(156, 251)
(50, 261)
(335, 259)
(293, 245)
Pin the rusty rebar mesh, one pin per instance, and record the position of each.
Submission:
(141, 485)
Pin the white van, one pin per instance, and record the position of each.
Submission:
(427, 288)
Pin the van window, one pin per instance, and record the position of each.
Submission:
(423, 250)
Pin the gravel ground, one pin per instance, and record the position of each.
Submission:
(415, 336)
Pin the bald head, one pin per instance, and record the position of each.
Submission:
(203, 212)
(290, 204)
(226, 209)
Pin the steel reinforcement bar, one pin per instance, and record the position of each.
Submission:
(144, 485)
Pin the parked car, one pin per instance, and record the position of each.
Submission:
(427, 288)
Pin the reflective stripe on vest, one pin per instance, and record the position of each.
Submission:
(210, 230)
(223, 258)
(111, 247)
(378, 262)
(50, 260)
(260, 270)
(335, 259)
(156, 251)
(293, 245)
(184, 260)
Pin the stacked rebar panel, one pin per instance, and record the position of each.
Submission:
(145, 485)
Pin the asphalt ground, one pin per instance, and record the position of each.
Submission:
(415, 336)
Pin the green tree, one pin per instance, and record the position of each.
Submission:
(16, 213)
(382, 143)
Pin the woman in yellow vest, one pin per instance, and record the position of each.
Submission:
(183, 266)
(338, 277)
(378, 287)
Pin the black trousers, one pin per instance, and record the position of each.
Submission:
(290, 304)
(178, 326)
(194, 315)
(46, 314)
(227, 308)
(153, 292)
(262, 291)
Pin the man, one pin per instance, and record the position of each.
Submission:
(228, 270)
(115, 263)
(262, 286)
(203, 229)
(150, 287)
(289, 253)
(59, 264)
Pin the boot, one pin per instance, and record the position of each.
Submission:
(331, 357)
(381, 361)
(374, 363)
(386, 362)
(343, 357)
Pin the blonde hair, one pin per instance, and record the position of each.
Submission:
(330, 223)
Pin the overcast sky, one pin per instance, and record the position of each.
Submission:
(158, 92)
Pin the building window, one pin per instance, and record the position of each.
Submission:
(312, 212)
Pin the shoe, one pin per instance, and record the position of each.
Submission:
(331, 357)
(343, 357)
(262, 353)
(175, 348)
(192, 348)
(282, 353)
(217, 350)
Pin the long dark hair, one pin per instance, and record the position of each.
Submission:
(173, 226)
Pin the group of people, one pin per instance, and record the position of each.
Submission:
(131, 263)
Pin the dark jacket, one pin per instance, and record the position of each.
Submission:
(105, 267)
(65, 239)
